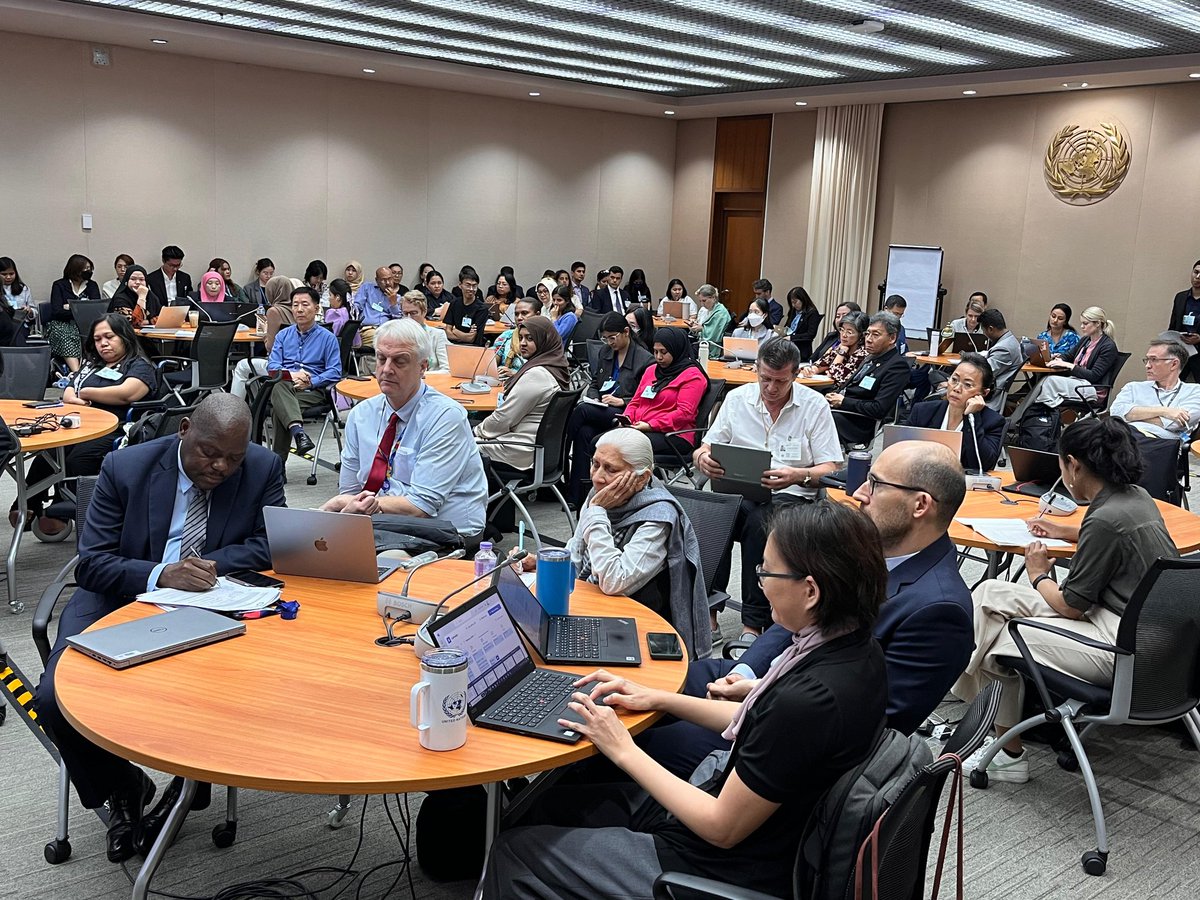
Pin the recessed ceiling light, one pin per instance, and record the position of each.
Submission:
(157, 41)
(969, 93)
(1194, 75)
(668, 112)
(1074, 85)
(867, 26)
(368, 71)
(802, 103)
(535, 93)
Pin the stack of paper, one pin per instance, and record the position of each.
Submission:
(224, 597)
(1008, 532)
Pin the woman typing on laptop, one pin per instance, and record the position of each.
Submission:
(741, 816)
(966, 402)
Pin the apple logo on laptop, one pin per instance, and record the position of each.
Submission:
(321, 544)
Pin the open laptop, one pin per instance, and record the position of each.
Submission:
(741, 349)
(967, 342)
(674, 308)
(319, 544)
(467, 361)
(893, 434)
(171, 317)
(1035, 471)
(568, 640)
(230, 311)
(505, 690)
(154, 637)
(743, 471)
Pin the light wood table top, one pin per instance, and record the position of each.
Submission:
(492, 328)
(255, 711)
(951, 359)
(95, 422)
(748, 375)
(1183, 526)
(660, 322)
(439, 381)
(189, 334)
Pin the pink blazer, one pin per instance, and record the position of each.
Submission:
(674, 407)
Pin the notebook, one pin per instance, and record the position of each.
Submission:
(319, 544)
(467, 361)
(153, 637)
(568, 640)
(505, 690)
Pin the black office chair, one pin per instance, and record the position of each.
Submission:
(26, 370)
(586, 329)
(673, 464)
(1088, 405)
(346, 346)
(85, 313)
(713, 517)
(206, 367)
(1156, 679)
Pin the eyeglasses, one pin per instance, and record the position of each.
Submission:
(874, 482)
(610, 338)
(1146, 360)
(763, 573)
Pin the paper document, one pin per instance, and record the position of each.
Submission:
(1009, 532)
(224, 597)
(592, 400)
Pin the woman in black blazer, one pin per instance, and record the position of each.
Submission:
(802, 320)
(1092, 362)
(966, 395)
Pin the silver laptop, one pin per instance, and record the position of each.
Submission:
(467, 361)
(673, 308)
(319, 544)
(154, 637)
(743, 471)
(741, 349)
(171, 317)
(893, 434)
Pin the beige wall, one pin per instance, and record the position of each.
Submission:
(691, 220)
(789, 187)
(967, 175)
(241, 162)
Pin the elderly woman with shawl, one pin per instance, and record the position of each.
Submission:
(739, 818)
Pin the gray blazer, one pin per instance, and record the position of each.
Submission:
(1005, 357)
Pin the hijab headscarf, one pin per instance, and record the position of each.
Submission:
(547, 352)
(357, 281)
(212, 275)
(126, 297)
(675, 341)
(279, 291)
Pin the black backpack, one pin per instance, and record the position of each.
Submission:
(844, 817)
(1039, 429)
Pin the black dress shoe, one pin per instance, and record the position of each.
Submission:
(304, 444)
(152, 823)
(124, 816)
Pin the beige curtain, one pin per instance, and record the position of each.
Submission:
(841, 218)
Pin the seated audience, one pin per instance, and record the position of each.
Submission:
(338, 312)
(506, 436)
(211, 289)
(16, 293)
(578, 288)
(639, 291)
(120, 264)
(375, 303)
(316, 276)
(413, 306)
(803, 320)
(965, 409)
(608, 295)
(133, 298)
(924, 627)
(466, 318)
(562, 315)
(815, 717)
(148, 499)
(501, 295)
(678, 293)
(308, 358)
(1162, 406)
(712, 319)
(233, 292)
(76, 284)
(872, 391)
(898, 306)
(256, 290)
(846, 356)
(669, 394)
(619, 370)
(437, 298)
(969, 321)
(278, 294)
(423, 271)
(763, 291)
(407, 458)
(397, 276)
(1121, 536)
(641, 324)
(169, 281)
(1093, 361)
(354, 274)
(1004, 353)
(757, 323)
(508, 360)
(1060, 334)
(1185, 308)
(795, 424)
(832, 338)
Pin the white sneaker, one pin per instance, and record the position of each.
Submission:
(1014, 770)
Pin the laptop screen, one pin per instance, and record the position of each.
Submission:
(482, 629)
(523, 606)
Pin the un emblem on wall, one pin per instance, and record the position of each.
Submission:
(1084, 166)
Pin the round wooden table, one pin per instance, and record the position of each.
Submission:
(439, 381)
(51, 445)
(240, 712)
(189, 334)
(748, 375)
(951, 359)
(492, 327)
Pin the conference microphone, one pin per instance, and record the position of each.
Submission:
(423, 641)
(480, 384)
(983, 481)
(402, 607)
(1055, 504)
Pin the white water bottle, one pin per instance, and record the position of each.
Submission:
(704, 355)
(485, 559)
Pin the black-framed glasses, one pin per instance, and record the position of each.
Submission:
(763, 573)
(873, 481)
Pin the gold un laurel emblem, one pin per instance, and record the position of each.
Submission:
(1083, 166)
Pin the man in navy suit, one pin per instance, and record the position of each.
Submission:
(924, 625)
(208, 487)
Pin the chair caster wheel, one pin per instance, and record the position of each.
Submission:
(337, 816)
(1068, 761)
(979, 780)
(224, 835)
(1095, 862)
(56, 538)
(312, 479)
(57, 851)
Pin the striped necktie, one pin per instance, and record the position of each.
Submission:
(195, 524)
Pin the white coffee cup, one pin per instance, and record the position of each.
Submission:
(439, 700)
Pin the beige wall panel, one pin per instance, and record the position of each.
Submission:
(691, 213)
(789, 188)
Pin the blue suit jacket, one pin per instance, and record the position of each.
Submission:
(989, 429)
(130, 515)
(924, 627)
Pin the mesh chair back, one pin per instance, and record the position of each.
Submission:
(85, 486)
(716, 387)
(1161, 625)
(976, 724)
(346, 343)
(594, 346)
(26, 371)
(210, 350)
(713, 516)
(85, 313)
(552, 434)
(585, 330)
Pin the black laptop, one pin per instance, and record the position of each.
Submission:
(230, 311)
(1035, 472)
(968, 342)
(505, 690)
(569, 640)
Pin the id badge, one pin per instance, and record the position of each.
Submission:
(467, 322)
(607, 387)
(649, 393)
(110, 374)
(1189, 320)
(378, 307)
(868, 382)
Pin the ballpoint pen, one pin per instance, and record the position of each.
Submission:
(256, 614)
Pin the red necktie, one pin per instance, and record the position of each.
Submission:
(379, 466)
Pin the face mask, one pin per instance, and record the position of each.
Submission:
(755, 319)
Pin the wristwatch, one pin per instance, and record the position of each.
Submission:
(807, 479)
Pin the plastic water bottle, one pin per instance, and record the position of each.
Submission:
(485, 559)
(704, 355)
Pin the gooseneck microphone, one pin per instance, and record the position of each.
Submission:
(423, 641)
(457, 554)
(975, 440)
